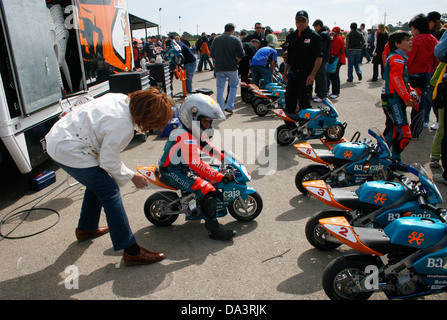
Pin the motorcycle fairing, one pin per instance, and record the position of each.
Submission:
(416, 232)
(350, 150)
(383, 192)
(407, 209)
(321, 190)
(307, 150)
(282, 114)
(340, 228)
(154, 176)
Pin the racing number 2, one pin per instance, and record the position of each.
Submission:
(343, 232)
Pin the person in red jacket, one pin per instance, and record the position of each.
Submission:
(396, 97)
(421, 64)
(337, 50)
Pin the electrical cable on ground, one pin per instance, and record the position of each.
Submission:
(12, 214)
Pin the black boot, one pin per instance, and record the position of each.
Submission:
(217, 232)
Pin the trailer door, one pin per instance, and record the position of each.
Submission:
(30, 47)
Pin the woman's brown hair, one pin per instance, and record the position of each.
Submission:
(150, 109)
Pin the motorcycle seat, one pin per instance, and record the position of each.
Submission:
(373, 238)
(350, 199)
(325, 155)
(164, 180)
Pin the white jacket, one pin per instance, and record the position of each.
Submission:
(94, 134)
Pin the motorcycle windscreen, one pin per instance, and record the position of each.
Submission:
(31, 51)
(104, 33)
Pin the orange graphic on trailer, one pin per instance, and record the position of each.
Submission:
(380, 197)
(104, 30)
(419, 239)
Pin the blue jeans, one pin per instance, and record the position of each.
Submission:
(189, 69)
(354, 60)
(233, 82)
(102, 192)
(260, 72)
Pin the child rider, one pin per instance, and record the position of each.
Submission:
(181, 163)
(396, 96)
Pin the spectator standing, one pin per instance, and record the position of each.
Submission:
(205, 55)
(258, 35)
(365, 53)
(434, 24)
(421, 64)
(321, 88)
(380, 42)
(354, 44)
(263, 64)
(136, 55)
(441, 54)
(250, 49)
(189, 65)
(86, 143)
(227, 51)
(338, 51)
(304, 56)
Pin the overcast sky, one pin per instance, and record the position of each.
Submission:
(211, 15)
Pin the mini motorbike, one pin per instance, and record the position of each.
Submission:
(174, 54)
(347, 163)
(310, 124)
(405, 259)
(243, 202)
(375, 204)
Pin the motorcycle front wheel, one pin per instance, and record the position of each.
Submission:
(335, 133)
(254, 206)
(344, 278)
(155, 206)
(283, 135)
(309, 173)
(315, 233)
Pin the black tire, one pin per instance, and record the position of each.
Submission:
(309, 173)
(341, 277)
(254, 204)
(283, 136)
(156, 203)
(261, 107)
(315, 232)
(179, 59)
(247, 96)
(335, 133)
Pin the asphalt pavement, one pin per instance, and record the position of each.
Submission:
(269, 259)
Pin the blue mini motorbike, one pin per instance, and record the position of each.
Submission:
(310, 124)
(375, 204)
(347, 163)
(243, 202)
(405, 259)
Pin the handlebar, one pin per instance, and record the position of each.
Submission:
(440, 212)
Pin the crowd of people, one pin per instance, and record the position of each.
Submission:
(412, 66)
(315, 56)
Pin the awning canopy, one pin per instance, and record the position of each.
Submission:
(137, 23)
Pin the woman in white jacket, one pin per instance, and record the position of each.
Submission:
(87, 142)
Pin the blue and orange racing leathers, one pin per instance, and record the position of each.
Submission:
(182, 166)
(395, 92)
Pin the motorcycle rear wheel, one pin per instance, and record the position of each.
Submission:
(283, 135)
(335, 133)
(315, 231)
(341, 277)
(254, 207)
(261, 107)
(309, 173)
(154, 206)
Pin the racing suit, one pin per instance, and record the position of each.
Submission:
(395, 92)
(182, 166)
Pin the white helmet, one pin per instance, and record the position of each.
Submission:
(195, 107)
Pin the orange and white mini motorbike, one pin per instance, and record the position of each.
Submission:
(375, 204)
